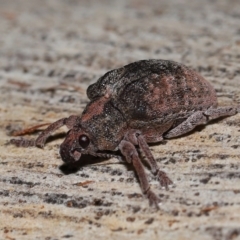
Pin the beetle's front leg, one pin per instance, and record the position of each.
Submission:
(41, 139)
(69, 122)
(131, 155)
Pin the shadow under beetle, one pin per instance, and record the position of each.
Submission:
(143, 102)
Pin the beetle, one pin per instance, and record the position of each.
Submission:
(143, 102)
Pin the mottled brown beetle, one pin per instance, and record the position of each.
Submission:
(143, 102)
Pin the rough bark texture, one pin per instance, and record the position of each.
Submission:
(50, 52)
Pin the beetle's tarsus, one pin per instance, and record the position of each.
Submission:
(40, 144)
(154, 200)
(164, 180)
(22, 142)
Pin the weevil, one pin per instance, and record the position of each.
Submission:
(143, 102)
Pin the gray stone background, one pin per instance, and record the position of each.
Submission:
(50, 51)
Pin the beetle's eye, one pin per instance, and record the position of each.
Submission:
(84, 141)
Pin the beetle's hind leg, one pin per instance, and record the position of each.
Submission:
(200, 118)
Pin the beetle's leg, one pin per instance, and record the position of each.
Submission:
(41, 139)
(21, 142)
(164, 180)
(199, 118)
(69, 122)
(131, 155)
(136, 138)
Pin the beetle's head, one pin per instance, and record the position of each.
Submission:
(76, 143)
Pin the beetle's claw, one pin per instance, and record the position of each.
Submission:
(40, 142)
(154, 200)
(40, 145)
(164, 180)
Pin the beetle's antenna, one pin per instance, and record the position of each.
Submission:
(107, 155)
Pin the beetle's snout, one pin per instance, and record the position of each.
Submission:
(69, 155)
(76, 155)
(68, 149)
(75, 144)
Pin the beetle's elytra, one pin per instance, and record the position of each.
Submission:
(143, 102)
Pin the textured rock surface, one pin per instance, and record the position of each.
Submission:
(50, 52)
